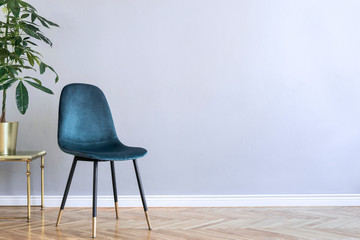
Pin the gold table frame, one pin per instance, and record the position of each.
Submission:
(28, 157)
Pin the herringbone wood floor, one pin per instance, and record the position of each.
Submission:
(187, 223)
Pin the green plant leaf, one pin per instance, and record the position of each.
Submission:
(26, 5)
(28, 67)
(3, 80)
(25, 15)
(57, 76)
(35, 79)
(37, 60)
(44, 23)
(11, 71)
(47, 21)
(14, 7)
(18, 51)
(30, 58)
(33, 16)
(3, 71)
(8, 84)
(4, 53)
(30, 25)
(34, 52)
(18, 40)
(32, 43)
(22, 98)
(31, 33)
(42, 67)
(44, 39)
(40, 87)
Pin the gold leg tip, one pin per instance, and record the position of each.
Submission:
(94, 227)
(59, 218)
(148, 220)
(116, 210)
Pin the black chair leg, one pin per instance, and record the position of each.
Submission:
(94, 199)
(142, 193)
(71, 174)
(112, 165)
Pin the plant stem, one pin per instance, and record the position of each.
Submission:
(3, 109)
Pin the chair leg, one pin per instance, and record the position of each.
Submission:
(94, 199)
(112, 165)
(142, 193)
(71, 174)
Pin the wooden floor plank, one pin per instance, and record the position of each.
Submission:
(254, 223)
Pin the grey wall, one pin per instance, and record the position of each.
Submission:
(229, 97)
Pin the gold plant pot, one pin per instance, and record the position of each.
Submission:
(8, 137)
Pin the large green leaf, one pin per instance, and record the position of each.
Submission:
(32, 43)
(11, 71)
(30, 25)
(47, 21)
(22, 98)
(14, 7)
(30, 32)
(26, 5)
(43, 23)
(28, 67)
(18, 40)
(30, 58)
(3, 71)
(40, 87)
(42, 67)
(18, 51)
(25, 15)
(4, 79)
(8, 84)
(35, 79)
(44, 39)
(57, 76)
(33, 16)
(4, 53)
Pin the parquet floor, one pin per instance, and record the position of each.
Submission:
(187, 223)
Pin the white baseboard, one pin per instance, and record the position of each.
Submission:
(196, 200)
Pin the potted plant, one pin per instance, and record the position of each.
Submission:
(19, 35)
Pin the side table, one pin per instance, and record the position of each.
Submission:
(28, 157)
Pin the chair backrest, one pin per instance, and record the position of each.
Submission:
(84, 117)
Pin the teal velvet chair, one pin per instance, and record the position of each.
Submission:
(86, 130)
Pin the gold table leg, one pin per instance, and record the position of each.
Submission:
(42, 182)
(28, 173)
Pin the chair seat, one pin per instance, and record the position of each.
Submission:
(111, 152)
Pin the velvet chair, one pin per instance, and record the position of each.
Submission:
(86, 130)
